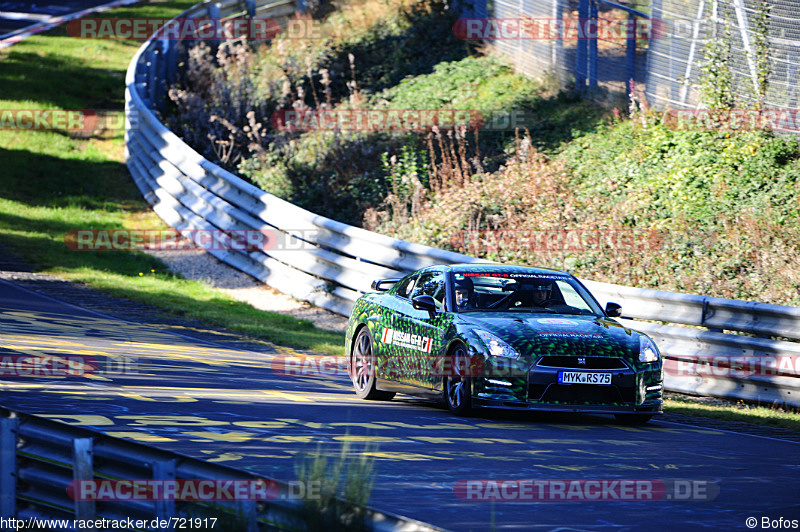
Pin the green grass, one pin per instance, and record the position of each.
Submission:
(53, 182)
(693, 175)
(484, 84)
(786, 418)
(193, 300)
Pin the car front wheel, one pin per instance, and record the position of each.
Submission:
(458, 385)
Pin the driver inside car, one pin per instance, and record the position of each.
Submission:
(542, 293)
(464, 291)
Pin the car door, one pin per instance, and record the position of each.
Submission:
(419, 337)
(391, 354)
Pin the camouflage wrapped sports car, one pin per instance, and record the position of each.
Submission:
(499, 336)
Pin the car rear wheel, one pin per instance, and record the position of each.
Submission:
(633, 419)
(363, 366)
(458, 386)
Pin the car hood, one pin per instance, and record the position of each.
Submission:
(558, 334)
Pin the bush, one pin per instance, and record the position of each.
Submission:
(702, 212)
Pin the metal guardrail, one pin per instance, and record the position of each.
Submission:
(715, 313)
(330, 264)
(39, 458)
(703, 359)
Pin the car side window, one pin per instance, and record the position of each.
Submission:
(431, 284)
(405, 286)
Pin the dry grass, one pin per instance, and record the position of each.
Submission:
(531, 212)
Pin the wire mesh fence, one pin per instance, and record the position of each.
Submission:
(674, 62)
(589, 44)
(601, 46)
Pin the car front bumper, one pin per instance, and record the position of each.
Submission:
(629, 391)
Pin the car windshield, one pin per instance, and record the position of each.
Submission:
(522, 292)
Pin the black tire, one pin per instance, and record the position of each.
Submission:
(458, 387)
(633, 419)
(363, 364)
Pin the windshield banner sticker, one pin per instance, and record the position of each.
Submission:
(514, 275)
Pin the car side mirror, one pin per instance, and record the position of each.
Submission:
(380, 284)
(425, 303)
(614, 310)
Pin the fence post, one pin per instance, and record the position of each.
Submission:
(630, 51)
(83, 469)
(593, 46)
(580, 52)
(557, 51)
(8, 466)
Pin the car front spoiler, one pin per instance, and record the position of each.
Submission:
(585, 409)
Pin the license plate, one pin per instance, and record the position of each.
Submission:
(583, 377)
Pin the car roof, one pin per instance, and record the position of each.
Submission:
(502, 268)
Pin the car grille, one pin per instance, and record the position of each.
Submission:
(580, 394)
(571, 362)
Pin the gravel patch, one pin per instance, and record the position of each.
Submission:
(198, 265)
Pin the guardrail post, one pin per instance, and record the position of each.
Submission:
(8, 466)
(707, 313)
(171, 60)
(83, 469)
(213, 14)
(164, 470)
(247, 509)
(150, 59)
(161, 94)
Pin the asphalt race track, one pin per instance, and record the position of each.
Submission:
(16, 15)
(230, 406)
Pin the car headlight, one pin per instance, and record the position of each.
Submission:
(648, 352)
(496, 346)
